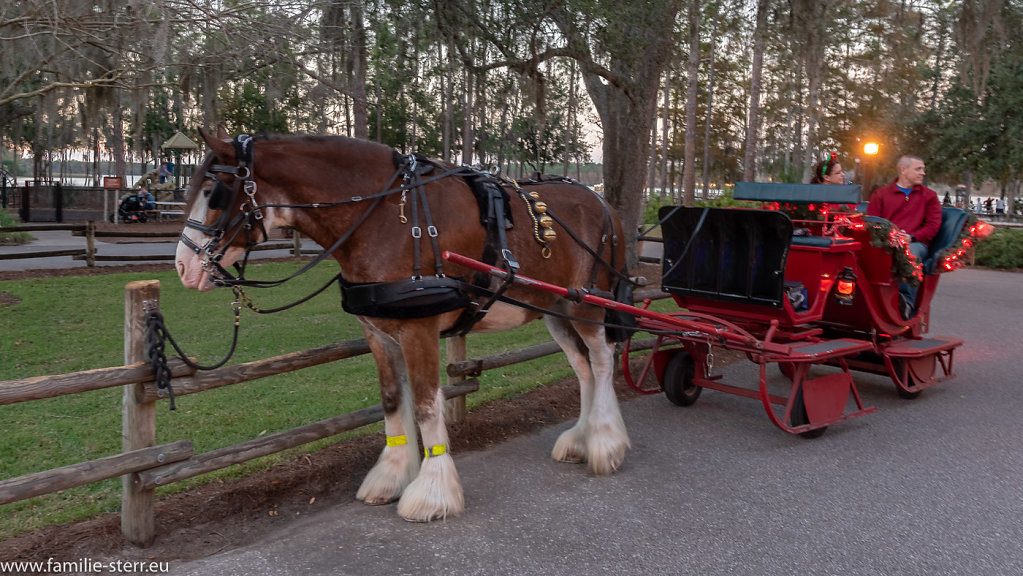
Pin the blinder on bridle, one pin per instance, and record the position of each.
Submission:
(220, 197)
(226, 229)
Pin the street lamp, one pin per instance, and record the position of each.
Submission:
(869, 150)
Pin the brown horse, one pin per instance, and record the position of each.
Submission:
(386, 219)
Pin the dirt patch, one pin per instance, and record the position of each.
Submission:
(8, 299)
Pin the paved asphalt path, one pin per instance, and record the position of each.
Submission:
(930, 486)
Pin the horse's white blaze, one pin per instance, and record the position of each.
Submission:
(189, 264)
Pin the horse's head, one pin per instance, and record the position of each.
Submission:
(223, 216)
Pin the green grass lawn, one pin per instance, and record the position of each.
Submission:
(61, 325)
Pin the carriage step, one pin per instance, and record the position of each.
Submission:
(817, 351)
(921, 348)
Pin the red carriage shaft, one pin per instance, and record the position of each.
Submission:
(666, 321)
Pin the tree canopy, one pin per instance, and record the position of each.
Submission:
(725, 89)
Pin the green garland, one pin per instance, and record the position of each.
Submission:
(883, 234)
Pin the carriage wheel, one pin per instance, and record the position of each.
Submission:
(788, 369)
(645, 380)
(678, 380)
(799, 416)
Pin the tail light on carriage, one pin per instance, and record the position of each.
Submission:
(845, 286)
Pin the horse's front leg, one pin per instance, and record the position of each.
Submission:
(436, 492)
(398, 464)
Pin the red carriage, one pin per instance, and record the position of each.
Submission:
(796, 293)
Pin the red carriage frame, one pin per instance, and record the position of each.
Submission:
(796, 293)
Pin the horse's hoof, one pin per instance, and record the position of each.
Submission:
(436, 493)
(569, 447)
(606, 452)
(377, 501)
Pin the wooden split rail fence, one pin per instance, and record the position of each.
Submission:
(143, 465)
(90, 254)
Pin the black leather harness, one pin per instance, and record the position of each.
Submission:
(417, 296)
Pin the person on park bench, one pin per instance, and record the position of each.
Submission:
(915, 210)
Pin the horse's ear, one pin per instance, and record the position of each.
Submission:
(222, 149)
(222, 132)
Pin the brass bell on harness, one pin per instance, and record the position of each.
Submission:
(534, 194)
(540, 207)
(546, 221)
(548, 235)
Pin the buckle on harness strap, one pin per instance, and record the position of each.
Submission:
(513, 264)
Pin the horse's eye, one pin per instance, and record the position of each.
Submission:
(219, 198)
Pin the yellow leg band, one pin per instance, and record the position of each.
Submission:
(393, 441)
(435, 450)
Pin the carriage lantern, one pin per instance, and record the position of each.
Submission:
(845, 287)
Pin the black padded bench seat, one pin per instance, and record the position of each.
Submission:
(726, 254)
(797, 193)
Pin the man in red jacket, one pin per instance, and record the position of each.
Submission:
(914, 209)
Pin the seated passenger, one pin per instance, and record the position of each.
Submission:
(915, 210)
(828, 170)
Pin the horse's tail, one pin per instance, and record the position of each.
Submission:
(619, 325)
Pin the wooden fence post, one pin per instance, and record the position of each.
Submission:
(454, 409)
(296, 243)
(138, 419)
(90, 243)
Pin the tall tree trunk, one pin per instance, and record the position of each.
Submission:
(665, 182)
(710, 110)
(360, 109)
(467, 118)
(116, 143)
(811, 17)
(692, 72)
(651, 176)
(570, 124)
(753, 124)
(447, 89)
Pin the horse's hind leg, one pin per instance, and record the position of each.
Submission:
(399, 461)
(598, 436)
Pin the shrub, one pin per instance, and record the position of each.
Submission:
(1003, 249)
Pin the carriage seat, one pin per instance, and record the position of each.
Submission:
(797, 193)
(726, 254)
(820, 241)
(801, 194)
(952, 222)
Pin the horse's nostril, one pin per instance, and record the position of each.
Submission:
(181, 268)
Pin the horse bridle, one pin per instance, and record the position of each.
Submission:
(226, 229)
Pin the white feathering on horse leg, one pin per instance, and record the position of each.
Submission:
(571, 444)
(437, 492)
(398, 465)
(606, 436)
(389, 477)
(396, 468)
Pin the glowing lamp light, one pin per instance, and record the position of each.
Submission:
(845, 286)
(870, 148)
